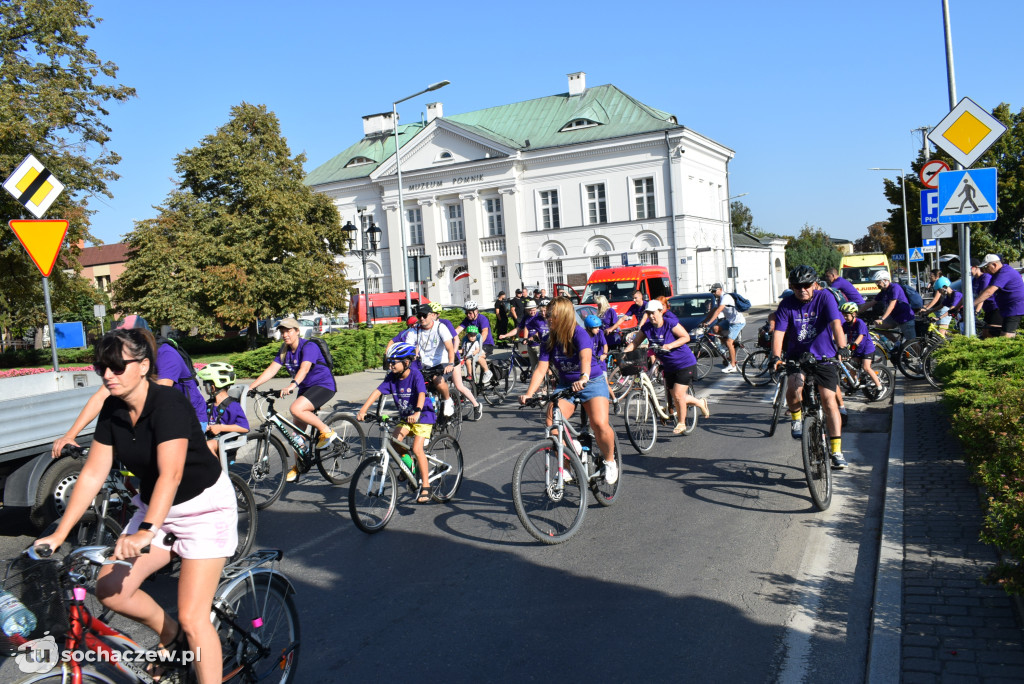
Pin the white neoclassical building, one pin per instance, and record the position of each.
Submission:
(544, 191)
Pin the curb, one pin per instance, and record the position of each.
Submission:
(886, 634)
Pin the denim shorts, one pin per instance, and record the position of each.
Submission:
(734, 329)
(595, 387)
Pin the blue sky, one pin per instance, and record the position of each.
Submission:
(809, 94)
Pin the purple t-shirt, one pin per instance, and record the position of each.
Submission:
(953, 299)
(405, 391)
(674, 359)
(568, 365)
(599, 343)
(902, 313)
(483, 324)
(1010, 295)
(811, 323)
(856, 328)
(978, 285)
(228, 412)
(170, 366)
(537, 329)
(318, 376)
(847, 288)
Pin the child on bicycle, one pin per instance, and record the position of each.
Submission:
(861, 344)
(224, 413)
(473, 351)
(406, 386)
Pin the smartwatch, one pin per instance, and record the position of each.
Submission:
(146, 526)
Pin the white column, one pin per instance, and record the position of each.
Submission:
(471, 215)
(513, 230)
(395, 258)
(428, 206)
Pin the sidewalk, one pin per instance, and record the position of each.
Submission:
(935, 621)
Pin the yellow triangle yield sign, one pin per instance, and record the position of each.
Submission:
(41, 239)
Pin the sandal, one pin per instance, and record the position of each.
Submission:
(169, 657)
(424, 495)
(705, 411)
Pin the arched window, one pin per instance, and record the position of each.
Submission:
(358, 161)
(577, 124)
(444, 156)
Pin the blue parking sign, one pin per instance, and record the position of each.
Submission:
(929, 207)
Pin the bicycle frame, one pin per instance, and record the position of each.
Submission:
(562, 425)
(388, 453)
(270, 419)
(643, 381)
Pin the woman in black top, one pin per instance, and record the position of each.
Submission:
(185, 502)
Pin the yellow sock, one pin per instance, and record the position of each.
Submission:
(836, 443)
(797, 415)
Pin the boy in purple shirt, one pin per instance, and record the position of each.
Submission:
(817, 329)
(1007, 288)
(224, 413)
(845, 286)
(897, 312)
(406, 386)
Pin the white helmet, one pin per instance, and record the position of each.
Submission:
(470, 305)
(882, 275)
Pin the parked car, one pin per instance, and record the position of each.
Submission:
(307, 328)
(691, 309)
(336, 323)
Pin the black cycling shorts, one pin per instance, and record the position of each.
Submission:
(317, 395)
(825, 374)
(682, 376)
(432, 372)
(488, 349)
(1011, 324)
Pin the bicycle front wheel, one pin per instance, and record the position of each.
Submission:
(777, 404)
(90, 675)
(641, 422)
(605, 493)
(373, 495)
(690, 416)
(263, 469)
(247, 517)
(87, 533)
(910, 356)
(817, 462)
(497, 388)
(258, 626)
(338, 461)
(887, 378)
(757, 369)
(928, 369)
(446, 476)
(705, 361)
(550, 512)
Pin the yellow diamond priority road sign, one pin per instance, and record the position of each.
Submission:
(967, 132)
(33, 186)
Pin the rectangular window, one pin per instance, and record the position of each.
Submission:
(597, 207)
(456, 227)
(603, 261)
(495, 224)
(373, 284)
(643, 194)
(499, 280)
(649, 258)
(103, 283)
(554, 273)
(549, 209)
(414, 217)
(366, 220)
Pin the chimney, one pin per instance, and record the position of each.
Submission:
(376, 124)
(577, 83)
(435, 110)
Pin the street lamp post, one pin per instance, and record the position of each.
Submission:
(732, 239)
(371, 237)
(401, 206)
(906, 234)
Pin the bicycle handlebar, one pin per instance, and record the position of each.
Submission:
(566, 393)
(73, 451)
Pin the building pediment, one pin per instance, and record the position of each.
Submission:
(443, 144)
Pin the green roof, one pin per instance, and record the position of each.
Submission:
(538, 121)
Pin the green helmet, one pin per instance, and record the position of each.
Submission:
(849, 308)
(436, 307)
(472, 330)
(218, 373)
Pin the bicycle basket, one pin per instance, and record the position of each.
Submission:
(633, 362)
(37, 585)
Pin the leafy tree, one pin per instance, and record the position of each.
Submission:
(812, 247)
(877, 240)
(742, 219)
(53, 90)
(241, 238)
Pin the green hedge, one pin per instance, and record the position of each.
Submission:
(984, 386)
(24, 358)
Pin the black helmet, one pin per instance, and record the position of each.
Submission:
(802, 275)
(423, 310)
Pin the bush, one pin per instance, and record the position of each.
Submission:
(984, 385)
(21, 358)
(353, 351)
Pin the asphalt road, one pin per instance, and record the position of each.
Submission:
(712, 566)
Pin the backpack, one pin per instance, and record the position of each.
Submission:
(915, 299)
(838, 294)
(319, 342)
(742, 303)
(184, 357)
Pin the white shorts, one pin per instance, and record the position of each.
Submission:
(206, 526)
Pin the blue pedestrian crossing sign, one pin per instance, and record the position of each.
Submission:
(916, 255)
(967, 196)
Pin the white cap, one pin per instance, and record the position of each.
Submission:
(989, 259)
(654, 305)
(882, 275)
(531, 304)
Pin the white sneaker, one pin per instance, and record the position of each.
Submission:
(449, 407)
(611, 472)
(729, 369)
(797, 429)
(838, 462)
(567, 474)
(487, 377)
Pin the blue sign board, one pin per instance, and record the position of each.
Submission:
(967, 196)
(70, 335)
(929, 207)
(625, 259)
(897, 257)
(916, 255)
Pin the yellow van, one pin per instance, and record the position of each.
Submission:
(860, 270)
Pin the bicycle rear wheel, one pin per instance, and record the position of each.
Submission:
(705, 361)
(550, 513)
(338, 461)
(817, 462)
(928, 369)
(777, 404)
(450, 425)
(447, 450)
(605, 493)
(910, 356)
(641, 422)
(887, 378)
(263, 468)
(372, 495)
(757, 369)
(247, 517)
(258, 625)
(499, 386)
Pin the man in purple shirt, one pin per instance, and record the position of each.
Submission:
(1007, 288)
(817, 329)
(979, 281)
(897, 312)
(845, 286)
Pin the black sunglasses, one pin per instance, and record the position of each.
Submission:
(101, 368)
